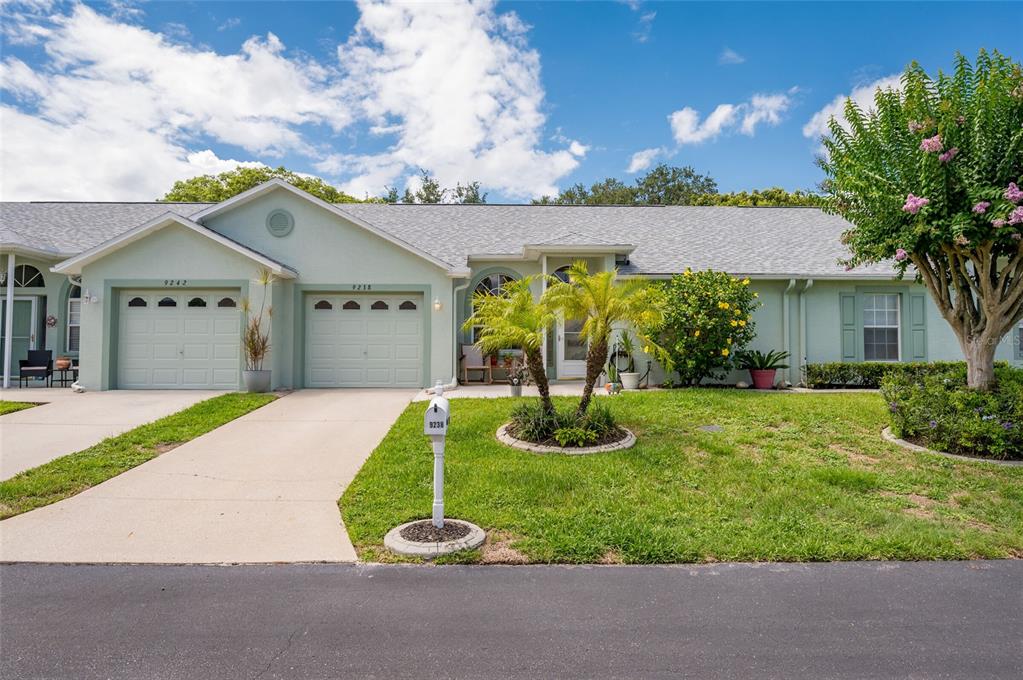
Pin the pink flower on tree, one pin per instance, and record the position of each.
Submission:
(1013, 193)
(1016, 216)
(901, 254)
(962, 240)
(998, 223)
(948, 155)
(932, 144)
(914, 203)
(982, 207)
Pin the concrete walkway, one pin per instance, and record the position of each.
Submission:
(69, 422)
(262, 488)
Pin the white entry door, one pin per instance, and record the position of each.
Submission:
(571, 349)
(178, 339)
(364, 340)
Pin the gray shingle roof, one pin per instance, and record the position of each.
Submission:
(779, 242)
(759, 241)
(70, 228)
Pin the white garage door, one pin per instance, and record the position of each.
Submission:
(364, 340)
(178, 339)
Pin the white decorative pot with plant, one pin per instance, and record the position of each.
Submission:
(626, 350)
(256, 338)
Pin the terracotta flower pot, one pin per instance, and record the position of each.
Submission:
(763, 379)
(62, 363)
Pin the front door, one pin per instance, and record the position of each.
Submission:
(571, 349)
(24, 326)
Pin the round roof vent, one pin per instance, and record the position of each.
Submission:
(280, 223)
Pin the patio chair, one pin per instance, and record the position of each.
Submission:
(38, 365)
(473, 360)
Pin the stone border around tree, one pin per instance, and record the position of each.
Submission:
(508, 440)
(888, 436)
(394, 542)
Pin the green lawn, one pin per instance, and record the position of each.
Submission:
(790, 477)
(12, 406)
(76, 472)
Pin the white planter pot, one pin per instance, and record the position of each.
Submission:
(630, 381)
(256, 381)
(516, 390)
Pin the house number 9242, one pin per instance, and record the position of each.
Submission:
(362, 286)
(175, 282)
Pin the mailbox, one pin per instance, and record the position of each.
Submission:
(437, 417)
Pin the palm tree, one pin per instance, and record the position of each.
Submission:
(514, 319)
(602, 300)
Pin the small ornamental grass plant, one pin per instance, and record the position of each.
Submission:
(938, 411)
(565, 428)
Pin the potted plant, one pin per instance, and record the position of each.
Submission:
(762, 367)
(516, 376)
(62, 363)
(626, 348)
(256, 339)
(613, 385)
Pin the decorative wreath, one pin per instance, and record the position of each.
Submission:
(51, 321)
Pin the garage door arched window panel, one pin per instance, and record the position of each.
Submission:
(167, 302)
(137, 302)
(323, 305)
(74, 318)
(379, 305)
(197, 302)
(27, 276)
(227, 302)
(407, 305)
(351, 306)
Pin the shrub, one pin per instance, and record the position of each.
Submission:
(868, 374)
(707, 320)
(937, 410)
(531, 422)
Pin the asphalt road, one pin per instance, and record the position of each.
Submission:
(862, 620)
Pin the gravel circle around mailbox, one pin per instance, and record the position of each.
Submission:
(507, 439)
(414, 539)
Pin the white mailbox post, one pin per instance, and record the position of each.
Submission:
(435, 425)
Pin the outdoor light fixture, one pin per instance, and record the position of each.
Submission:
(437, 305)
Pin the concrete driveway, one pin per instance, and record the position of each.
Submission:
(262, 488)
(70, 422)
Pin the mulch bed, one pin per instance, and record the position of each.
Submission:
(425, 532)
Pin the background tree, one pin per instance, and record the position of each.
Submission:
(602, 301)
(773, 197)
(663, 185)
(216, 188)
(514, 319)
(707, 320)
(930, 178)
(429, 191)
(469, 194)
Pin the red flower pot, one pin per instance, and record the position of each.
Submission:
(763, 379)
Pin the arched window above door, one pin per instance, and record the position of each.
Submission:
(27, 276)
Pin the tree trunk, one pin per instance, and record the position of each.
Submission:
(980, 363)
(596, 357)
(534, 360)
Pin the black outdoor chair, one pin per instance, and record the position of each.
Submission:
(38, 365)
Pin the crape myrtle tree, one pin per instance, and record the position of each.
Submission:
(930, 178)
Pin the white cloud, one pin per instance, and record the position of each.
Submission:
(729, 56)
(231, 22)
(458, 87)
(863, 95)
(641, 160)
(644, 27)
(767, 109)
(686, 127)
(117, 111)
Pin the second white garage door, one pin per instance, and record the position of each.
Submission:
(178, 339)
(364, 340)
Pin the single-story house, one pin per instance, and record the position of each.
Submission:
(149, 295)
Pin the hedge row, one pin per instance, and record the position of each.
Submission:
(869, 374)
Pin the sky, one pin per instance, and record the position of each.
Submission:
(117, 101)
